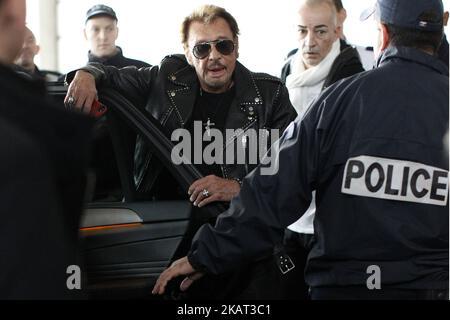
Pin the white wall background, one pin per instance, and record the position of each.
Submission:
(149, 30)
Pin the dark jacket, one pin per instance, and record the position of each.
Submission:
(168, 92)
(44, 159)
(346, 64)
(396, 112)
(118, 60)
(443, 51)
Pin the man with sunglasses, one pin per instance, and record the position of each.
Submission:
(207, 85)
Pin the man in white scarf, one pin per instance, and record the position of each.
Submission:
(318, 31)
(319, 46)
(322, 59)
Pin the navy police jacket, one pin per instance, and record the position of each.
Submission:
(373, 147)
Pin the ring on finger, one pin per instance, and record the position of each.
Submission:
(205, 193)
(70, 101)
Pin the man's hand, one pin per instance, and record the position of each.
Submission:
(212, 189)
(178, 268)
(82, 92)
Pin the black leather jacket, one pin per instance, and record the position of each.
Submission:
(168, 92)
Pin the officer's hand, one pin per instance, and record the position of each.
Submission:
(212, 189)
(82, 92)
(178, 268)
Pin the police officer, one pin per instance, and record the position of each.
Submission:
(372, 148)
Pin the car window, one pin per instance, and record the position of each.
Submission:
(113, 161)
(104, 166)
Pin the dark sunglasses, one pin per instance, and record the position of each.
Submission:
(202, 50)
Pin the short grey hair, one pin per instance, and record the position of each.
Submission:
(314, 3)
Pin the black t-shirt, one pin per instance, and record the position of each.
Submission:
(211, 109)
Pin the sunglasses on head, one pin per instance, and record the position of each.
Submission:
(202, 50)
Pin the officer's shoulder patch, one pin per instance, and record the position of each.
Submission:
(398, 180)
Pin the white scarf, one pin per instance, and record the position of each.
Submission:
(305, 85)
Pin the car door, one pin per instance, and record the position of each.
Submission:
(127, 242)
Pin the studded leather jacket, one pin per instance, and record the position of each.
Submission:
(168, 92)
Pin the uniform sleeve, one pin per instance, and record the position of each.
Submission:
(269, 201)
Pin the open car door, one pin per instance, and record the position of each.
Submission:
(128, 242)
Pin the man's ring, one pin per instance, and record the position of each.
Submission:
(205, 193)
(70, 101)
